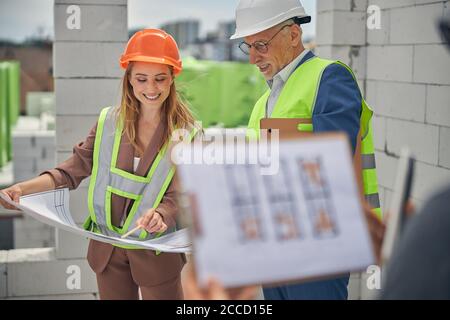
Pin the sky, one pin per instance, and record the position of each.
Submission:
(21, 19)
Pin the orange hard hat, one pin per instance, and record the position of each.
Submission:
(152, 45)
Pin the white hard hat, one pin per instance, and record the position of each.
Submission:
(254, 16)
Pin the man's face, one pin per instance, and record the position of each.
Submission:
(279, 52)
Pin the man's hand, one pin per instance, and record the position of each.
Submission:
(214, 290)
(377, 228)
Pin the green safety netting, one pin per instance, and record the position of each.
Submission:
(220, 93)
(9, 106)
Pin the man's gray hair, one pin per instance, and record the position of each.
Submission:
(287, 22)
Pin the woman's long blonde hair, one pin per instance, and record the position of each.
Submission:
(174, 111)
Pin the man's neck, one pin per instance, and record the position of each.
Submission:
(297, 51)
(286, 71)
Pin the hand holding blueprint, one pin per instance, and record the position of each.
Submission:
(52, 207)
(305, 221)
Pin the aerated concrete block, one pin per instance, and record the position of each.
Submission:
(70, 246)
(99, 23)
(48, 276)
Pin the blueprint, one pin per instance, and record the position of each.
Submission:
(52, 208)
(305, 221)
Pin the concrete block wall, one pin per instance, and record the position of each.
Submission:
(404, 70)
(30, 233)
(408, 78)
(34, 152)
(3, 275)
(86, 68)
(87, 78)
(38, 274)
(336, 20)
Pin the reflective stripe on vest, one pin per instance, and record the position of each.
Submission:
(106, 180)
(297, 100)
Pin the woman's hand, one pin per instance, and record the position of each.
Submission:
(152, 222)
(14, 193)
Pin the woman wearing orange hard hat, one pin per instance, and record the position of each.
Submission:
(126, 156)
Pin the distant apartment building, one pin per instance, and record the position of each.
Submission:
(185, 32)
(217, 45)
(226, 29)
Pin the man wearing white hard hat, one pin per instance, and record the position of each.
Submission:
(323, 93)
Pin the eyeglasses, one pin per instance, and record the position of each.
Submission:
(260, 46)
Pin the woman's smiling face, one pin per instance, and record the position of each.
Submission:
(151, 83)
